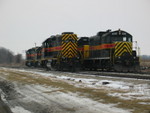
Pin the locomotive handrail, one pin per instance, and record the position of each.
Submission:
(136, 47)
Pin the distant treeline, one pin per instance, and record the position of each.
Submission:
(8, 57)
(145, 57)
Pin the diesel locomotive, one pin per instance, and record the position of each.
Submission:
(33, 57)
(30, 57)
(58, 52)
(109, 50)
(61, 52)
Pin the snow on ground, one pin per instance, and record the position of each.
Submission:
(51, 98)
(133, 90)
(67, 100)
(140, 91)
(18, 109)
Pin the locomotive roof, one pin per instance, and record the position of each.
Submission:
(53, 36)
(117, 32)
(39, 49)
(32, 49)
(57, 36)
(109, 32)
(68, 33)
(83, 38)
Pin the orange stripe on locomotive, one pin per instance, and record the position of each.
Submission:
(99, 47)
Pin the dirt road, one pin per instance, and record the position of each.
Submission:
(37, 91)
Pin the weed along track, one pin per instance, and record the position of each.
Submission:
(36, 91)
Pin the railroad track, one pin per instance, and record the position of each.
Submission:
(140, 75)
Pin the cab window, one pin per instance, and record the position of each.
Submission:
(129, 39)
(124, 39)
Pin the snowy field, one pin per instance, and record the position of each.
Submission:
(39, 91)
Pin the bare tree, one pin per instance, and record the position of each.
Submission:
(18, 58)
(6, 56)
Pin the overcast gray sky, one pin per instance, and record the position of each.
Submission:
(25, 22)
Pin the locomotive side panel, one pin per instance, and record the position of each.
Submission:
(38, 55)
(31, 57)
(51, 47)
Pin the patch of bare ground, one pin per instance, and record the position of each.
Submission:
(100, 94)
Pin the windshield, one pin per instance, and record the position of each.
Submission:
(121, 38)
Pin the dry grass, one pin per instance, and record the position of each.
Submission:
(145, 63)
(146, 66)
(95, 94)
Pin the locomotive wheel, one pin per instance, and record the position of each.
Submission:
(137, 69)
(72, 69)
(95, 69)
(59, 68)
(118, 68)
(48, 65)
(38, 64)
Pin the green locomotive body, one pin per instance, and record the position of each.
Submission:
(30, 57)
(60, 52)
(110, 50)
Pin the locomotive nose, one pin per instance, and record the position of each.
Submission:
(127, 59)
(123, 53)
(69, 46)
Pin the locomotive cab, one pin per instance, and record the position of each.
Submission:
(83, 47)
(124, 58)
